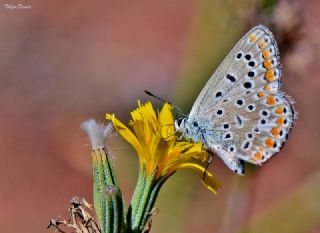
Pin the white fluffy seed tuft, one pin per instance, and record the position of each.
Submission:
(97, 132)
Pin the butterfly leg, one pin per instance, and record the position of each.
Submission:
(182, 135)
(210, 155)
(207, 165)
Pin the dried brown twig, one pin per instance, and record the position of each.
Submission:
(148, 226)
(81, 219)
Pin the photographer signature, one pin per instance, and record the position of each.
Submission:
(18, 6)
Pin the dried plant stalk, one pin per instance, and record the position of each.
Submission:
(81, 219)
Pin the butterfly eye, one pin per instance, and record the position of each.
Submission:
(180, 121)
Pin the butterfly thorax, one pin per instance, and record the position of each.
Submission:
(191, 129)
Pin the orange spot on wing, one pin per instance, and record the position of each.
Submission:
(275, 132)
(260, 94)
(265, 54)
(280, 121)
(269, 142)
(261, 44)
(279, 110)
(267, 87)
(271, 100)
(267, 64)
(258, 156)
(252, 38)
(269, 76)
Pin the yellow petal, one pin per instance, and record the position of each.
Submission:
(180, 147)
(127, 135)
(166, 122)
(186, 151)
(159, 151)
(197, 152)
(144, 122)
(147, 114)
(175, 162)
(210, 181)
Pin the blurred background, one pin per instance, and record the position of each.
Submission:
(63, 62)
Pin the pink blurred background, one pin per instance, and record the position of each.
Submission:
(62, 62)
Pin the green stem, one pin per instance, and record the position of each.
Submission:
(109, 205)
(109, 178)
(136, 197)
(151, 201)
(102, 184)
(96, 187)
(117, 204)
(141, 209)
(108, 224)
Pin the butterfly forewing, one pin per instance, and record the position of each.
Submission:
(232, 70)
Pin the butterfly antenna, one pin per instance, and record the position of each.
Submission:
(164, 101)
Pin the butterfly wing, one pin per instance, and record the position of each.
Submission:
(246, 116)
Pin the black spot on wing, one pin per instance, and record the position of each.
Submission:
(231, 78)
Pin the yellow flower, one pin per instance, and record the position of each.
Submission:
(159, 151)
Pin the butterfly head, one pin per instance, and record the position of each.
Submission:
(189, 130)
(180, 124)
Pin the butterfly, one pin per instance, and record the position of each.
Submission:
(241, 115)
